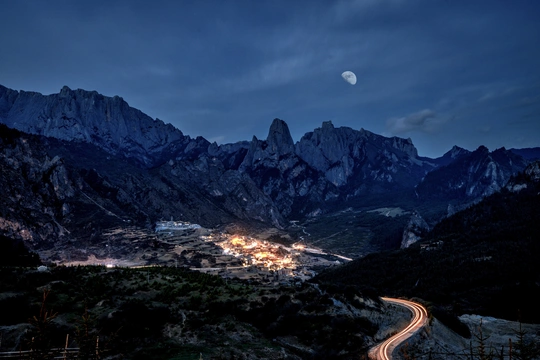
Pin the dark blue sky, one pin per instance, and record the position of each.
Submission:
(443, 73)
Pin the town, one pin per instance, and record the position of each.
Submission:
(244, 257)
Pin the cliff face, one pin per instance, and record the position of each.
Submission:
(343, 153)
(282, 175)
(37, 190)
(107, 122)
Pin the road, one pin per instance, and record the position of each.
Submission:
(384, 350)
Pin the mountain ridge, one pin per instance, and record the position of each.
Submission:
(80, 115)
(168, 174)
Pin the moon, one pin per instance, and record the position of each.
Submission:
(349, 77)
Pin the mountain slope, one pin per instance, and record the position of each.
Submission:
(472, 262)
(453, 154)
(528, 153)
(57, 192)
(471, 175)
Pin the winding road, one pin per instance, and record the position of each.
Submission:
(384, 350)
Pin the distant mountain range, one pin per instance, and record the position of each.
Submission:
(81, 154)
(472, 174)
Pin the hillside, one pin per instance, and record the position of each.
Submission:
(483, 260)
(165, 313)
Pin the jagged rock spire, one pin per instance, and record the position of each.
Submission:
(279, 138)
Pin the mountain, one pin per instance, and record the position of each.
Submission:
(62, 191)
(293, 185)
(472, 262)
(451, 155)
(471, 176)
(528, 153)
(358, 158)
(85, 162)
(354, 161)
(329, 166)
(107, 122)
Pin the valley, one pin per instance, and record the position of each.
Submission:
(274, 249)
(248, 257)
(260, 253)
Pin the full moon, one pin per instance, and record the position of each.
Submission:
(349, 77)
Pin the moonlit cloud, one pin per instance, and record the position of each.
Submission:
(419, 121)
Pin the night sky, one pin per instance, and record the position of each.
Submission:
(443, 73)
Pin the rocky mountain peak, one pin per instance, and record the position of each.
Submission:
(453, 154)
(406, 146)
(457, 151)
(80, 115)
(65, 91)
(481, 150)
(279, 138)
(327, 125)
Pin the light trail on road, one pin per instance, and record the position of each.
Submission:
(384, 350)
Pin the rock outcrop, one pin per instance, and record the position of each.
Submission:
(414, 230)
(362, 159)
(521, 181)
(283, 176)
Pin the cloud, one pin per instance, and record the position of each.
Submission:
(419, 121)
(484, 128)
(498, 93)
(529, 100)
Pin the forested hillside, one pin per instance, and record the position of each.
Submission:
(483, 260)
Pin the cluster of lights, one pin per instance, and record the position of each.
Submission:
(259, 253)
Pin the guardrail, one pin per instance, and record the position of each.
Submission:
(65, 353)
(58, 353)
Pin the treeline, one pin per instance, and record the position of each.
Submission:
(13, 252)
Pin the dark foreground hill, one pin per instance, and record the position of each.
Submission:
(174, 313)
(483, 260)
